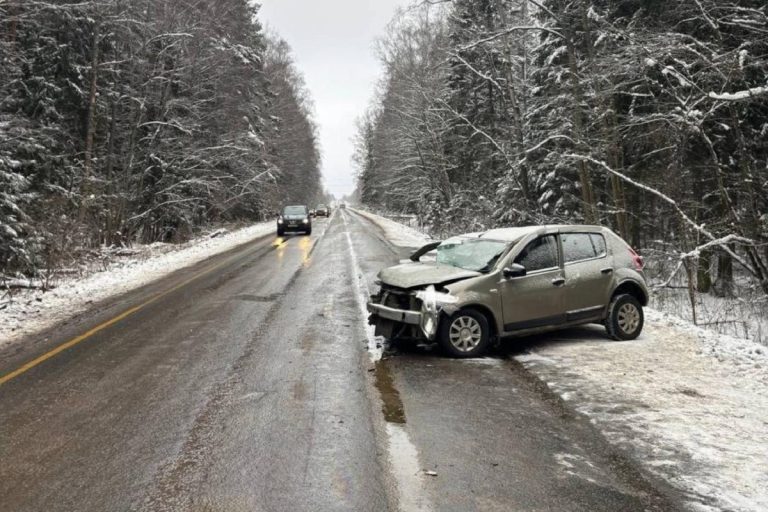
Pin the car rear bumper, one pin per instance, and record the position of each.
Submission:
(295, 227)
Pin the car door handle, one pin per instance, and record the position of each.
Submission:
(607, 270)
(559, 281)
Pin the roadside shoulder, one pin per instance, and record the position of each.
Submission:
(396, 233)
(33, 311)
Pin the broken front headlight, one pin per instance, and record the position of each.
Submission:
(432, 302)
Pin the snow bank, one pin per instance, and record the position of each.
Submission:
(32, 311)
(689, 404)
(396, 233)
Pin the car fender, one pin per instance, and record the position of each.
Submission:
(480, 293)
(625, 276)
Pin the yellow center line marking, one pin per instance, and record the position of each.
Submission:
(125, 314)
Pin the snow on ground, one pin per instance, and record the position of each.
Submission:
(688, 404)
(32, 311)
(397, 233)
(744, 316)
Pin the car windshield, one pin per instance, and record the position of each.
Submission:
(473, 254)
(295, 210)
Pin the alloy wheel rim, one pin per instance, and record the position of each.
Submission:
(465, 333)
(629, 318)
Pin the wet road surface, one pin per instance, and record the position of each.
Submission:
(253, 386)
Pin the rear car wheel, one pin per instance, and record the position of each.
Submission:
(625, 318)
(466, 333)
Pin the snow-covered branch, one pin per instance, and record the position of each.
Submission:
(721, 242)
(740, 95)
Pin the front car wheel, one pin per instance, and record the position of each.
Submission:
(464, 334)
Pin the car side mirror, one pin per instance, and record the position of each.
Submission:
(514, 270)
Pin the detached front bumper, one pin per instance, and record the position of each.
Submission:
(398, 315)
(423, 319)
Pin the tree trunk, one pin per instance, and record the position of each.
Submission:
(587, 195)
(703, 273)
(691, 290)
(90, 124)
(13, 11)
(616, 153)
(518, 138)
(112, 219)
(723, 286)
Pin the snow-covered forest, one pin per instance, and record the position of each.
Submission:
(143, 121)
(648, 116)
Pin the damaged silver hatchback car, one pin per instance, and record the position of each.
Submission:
(481, 287)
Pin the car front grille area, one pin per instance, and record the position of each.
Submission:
(399, 298)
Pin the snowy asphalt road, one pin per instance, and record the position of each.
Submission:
(251, 388)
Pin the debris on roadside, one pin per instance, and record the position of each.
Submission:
(218, 233)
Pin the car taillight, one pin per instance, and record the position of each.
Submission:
(636, 259)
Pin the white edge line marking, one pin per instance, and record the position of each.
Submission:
(375, 350)
(402, 453)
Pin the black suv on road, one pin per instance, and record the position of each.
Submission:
(294, 218)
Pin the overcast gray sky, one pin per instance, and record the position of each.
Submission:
(332, 41)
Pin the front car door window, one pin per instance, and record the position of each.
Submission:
(541, 254)
(536, 299)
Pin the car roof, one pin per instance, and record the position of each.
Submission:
(516, 233)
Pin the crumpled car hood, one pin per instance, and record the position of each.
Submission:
(412, 275)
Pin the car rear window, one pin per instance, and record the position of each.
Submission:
(539, 254)
(582, 246)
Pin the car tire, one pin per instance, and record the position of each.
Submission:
(280, 232)
(625, 318)
(465, 333)
(309, 231)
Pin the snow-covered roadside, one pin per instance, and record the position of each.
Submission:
(691, 407)
(397, 234)
(687, 403)
(32, 311)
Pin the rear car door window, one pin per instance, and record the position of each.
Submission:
(598, 241)
(582, 246)
(539, 254)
